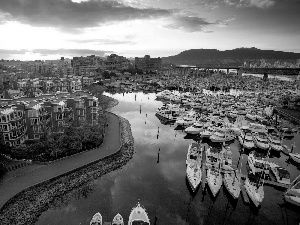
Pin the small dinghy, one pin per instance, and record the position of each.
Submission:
(97, 219)
(118, 220)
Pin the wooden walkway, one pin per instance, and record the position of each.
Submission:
(286, 115)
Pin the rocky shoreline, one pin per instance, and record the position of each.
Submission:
(28, 205)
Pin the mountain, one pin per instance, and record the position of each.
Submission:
(234, 57)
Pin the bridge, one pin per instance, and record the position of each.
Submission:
(184, 70)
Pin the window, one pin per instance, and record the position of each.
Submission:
(34, 121)
(59, 116)
(36, 136)
(6, 136)
(60, 123)
(4, 119)
(94, 103)
(94, 116)
(94, 110)
(81, 112)
(5, 128)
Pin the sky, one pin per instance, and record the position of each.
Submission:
(50, 29)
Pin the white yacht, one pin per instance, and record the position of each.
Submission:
(196, 128)
(138, 215)
(221, 136)
(214, 180)
(118, 220)
(257, 163)
(281, 175)
(97, 219)
(292, 195)
(261, 140)
(194, 153)
(209, 131)
(232, 182)
(255, 190)
(246, 140)
(275, 142)
(194, 174)
(295, 157)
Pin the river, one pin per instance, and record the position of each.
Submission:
(160, 183)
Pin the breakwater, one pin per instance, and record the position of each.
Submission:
(27, 206)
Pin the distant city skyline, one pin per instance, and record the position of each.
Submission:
(49, 29)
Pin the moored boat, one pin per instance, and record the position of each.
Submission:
(118, 220)
(232, 183)
(295, 157)
(214, 180)
(138, 216)
(292, 195)
(254, 189)
(194, 174)
(97, 219)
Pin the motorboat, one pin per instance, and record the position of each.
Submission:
(194, 174)
(292, 195)
(209, 131)
(196, 128)
(214, 180)
(118, 220)
(261, 140)
(254, 189)
(257, 164)
(275, 142)
(212, 158)
(281, 175)
(221, 136)
(295, 157)
(226, 158)
(232, 183)
(97, 219)
(251, 116)
(194, 153)
(246, 140)
(138, 216)
(257, 127)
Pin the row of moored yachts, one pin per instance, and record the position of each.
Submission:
(217, 127)
(217, 169)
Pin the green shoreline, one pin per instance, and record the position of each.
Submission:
(26, 206)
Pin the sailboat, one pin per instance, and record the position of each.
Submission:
(138, 215)
(194, 174)
(97, 219)
(292, 195)
(118, 220)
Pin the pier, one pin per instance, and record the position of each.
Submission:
(287, 115)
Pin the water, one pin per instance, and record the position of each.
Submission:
(162, 187)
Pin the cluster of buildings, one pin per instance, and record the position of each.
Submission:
(30, 118)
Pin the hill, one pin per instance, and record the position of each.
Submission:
(234, 57)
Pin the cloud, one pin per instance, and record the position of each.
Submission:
(262, 3)
(223, 23)
(103, 41)
(251, 3)
(188, 23)
(72, 16)
(46, 52)
(66, 14)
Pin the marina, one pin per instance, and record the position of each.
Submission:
(161, 186)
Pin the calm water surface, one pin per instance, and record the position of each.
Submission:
(161, 186)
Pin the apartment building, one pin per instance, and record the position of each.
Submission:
(148, 64)
(13, 129)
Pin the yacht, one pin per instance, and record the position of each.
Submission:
(221, 136)
(261, 140)
(194, 174)
(194, 153)
(196, 128)
(138, 215)
(254, 189)
(246, 140)
(97, 219)
(232, 183)
(281, 175)
(214, 180)
(257, 163)
(209, 131)
(295, 157)
(292, 195)
(275, 142)
(118, 220)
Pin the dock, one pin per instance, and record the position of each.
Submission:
(287, 114)
(204, 168)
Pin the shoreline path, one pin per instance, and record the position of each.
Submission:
(16, 181)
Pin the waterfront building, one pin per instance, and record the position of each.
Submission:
(13, 129)
(148, 64)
